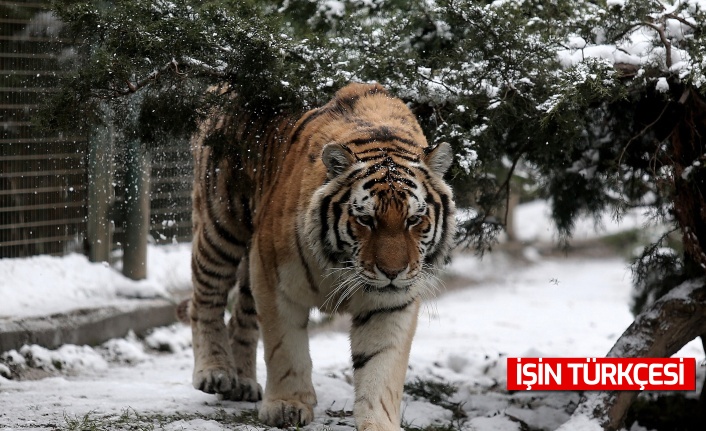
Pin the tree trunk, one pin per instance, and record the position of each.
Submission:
(137, 212)
(660, 331)
(100, 194)
(512, 202)
(688, 140)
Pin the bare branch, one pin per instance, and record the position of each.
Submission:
(680, 19)
(506, 185)
(663, 37)
(199, 69)
(684, 96)
(642, 132)
(135, 87)
(627, 30)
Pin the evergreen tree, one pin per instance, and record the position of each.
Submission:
(603, 100)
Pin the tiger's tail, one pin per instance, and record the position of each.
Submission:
(182, 311)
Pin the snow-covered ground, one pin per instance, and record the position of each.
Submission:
(498, 307)
(45, 285)
(533, 224)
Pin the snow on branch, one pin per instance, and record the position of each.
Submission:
(667, 49)
(201, 69)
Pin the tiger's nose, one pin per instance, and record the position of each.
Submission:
(390, 272)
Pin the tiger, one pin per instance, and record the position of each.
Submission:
(343, 209)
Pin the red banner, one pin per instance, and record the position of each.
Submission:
(601, 374)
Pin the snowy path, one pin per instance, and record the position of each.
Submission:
(558, 307)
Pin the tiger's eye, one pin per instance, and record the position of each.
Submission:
(413, 220)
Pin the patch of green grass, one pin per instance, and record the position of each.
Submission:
(437, 393)
(341, 413)
(246, 417)
(435, 427)
(131, 420)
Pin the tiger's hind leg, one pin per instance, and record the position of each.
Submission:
(214, 365)
(244, 332)
(219, 245)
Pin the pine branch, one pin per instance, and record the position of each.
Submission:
(201, 70)
(137, 86)
(449, 89)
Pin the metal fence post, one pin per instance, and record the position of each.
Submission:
(100, 194)
(137, 211)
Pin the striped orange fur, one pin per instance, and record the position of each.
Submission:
(343, 209)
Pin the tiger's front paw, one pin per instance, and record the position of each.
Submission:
(245, 390)
(215, 380)
(285, 413)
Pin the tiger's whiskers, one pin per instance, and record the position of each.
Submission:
(343, 289)
(430, 285)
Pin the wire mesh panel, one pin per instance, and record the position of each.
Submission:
(42, 173)
(170, 194)
(172, 177)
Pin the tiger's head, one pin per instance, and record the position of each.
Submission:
(385, 213)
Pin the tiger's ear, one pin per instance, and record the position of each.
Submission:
(337, 159)
(439, 158)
